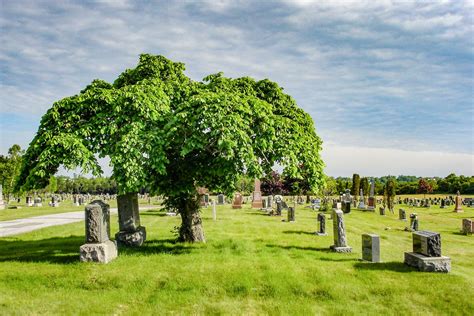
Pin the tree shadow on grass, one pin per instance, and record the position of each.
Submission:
(65, 250)
(262, 213)
(153, 212)
(162, 246)
(392, 266)
(61, 250)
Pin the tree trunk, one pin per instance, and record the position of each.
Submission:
(191, 227)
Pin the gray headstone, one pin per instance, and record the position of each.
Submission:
(371, 247)
(322, 225)
(340, 242)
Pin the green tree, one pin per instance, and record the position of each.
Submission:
(163, 131)
(390, 192)
(355, 185)
(364, 185)
(9, 169)
(424, 187)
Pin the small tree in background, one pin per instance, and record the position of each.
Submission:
(364, 185)
(10, 166)
(390, 192)
(355, 185)
(273, 184)
(424, 187)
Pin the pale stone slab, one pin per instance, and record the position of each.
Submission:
(428, 264)
(102, 252)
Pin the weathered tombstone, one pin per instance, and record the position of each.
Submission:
(371, 247)
(214, 214)
(413, 222)
(382, 210)
(346, 201)
(270, 201)
(130, 232)
(322, 225)
(402, 215)
(458, 203)
(98, 246)
(371, 201)
(361, 205)
(257, 195)
(291, 214)
(237, 200)
(264, 204)
(220, 199)
(442, 203)
(279, 204)
(426, 255)
(467, 226)
(54, 201)
(29, 201)
(340, 242)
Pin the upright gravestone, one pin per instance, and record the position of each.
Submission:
(54, 201)
(264, 204)
(467, 226)
(371, 201)
(291, 214)
(443, 203)
(361, 205)
(382, 210)
(458, 203)
(237, 200)
(371, 247)
(346, 201)
(220, 199)
(322, 225)
(257, 195)
(402, 215)
(340, 242)
(413, 222)
(270, 201)
(279, 204)
(426, 255)
(130, 232)
(98, 246)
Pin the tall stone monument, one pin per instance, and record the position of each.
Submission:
(361, 205)
(98, 246)
(458, 203)
(257, 195)
(340, 242)
(346, 201)
(131, 233)
(426, 255)
(371, 201)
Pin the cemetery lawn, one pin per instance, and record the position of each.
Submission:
(251, 264)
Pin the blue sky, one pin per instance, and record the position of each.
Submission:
(388, 84)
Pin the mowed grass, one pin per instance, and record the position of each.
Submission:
(252, 264)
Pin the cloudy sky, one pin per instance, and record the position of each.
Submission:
(389, 84)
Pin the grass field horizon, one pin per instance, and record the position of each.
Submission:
(251, 264)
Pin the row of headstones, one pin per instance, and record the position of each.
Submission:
(426, 255)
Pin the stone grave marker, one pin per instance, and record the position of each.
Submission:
(291, 214)
(340, 242)
(98, 246)
(467, 226)
(361, 205)
(426, 255)
(322, 225)
(257, 195)
(131, 233)
(220, 199)
(402, 215)
(458, 203)
(382, 210)
(237, 201)
(371, 247)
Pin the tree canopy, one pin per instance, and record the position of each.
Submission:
(166, 132)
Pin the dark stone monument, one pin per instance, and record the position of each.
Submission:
(371, 201)
(467, 226)
(402, 215)
(413, 222)
(291, 214)
(322, 225)
(346, 201)
(220, 199)
(382, 210)
(426, 255)
(131, 233)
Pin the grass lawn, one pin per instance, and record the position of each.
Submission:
(251, 264)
